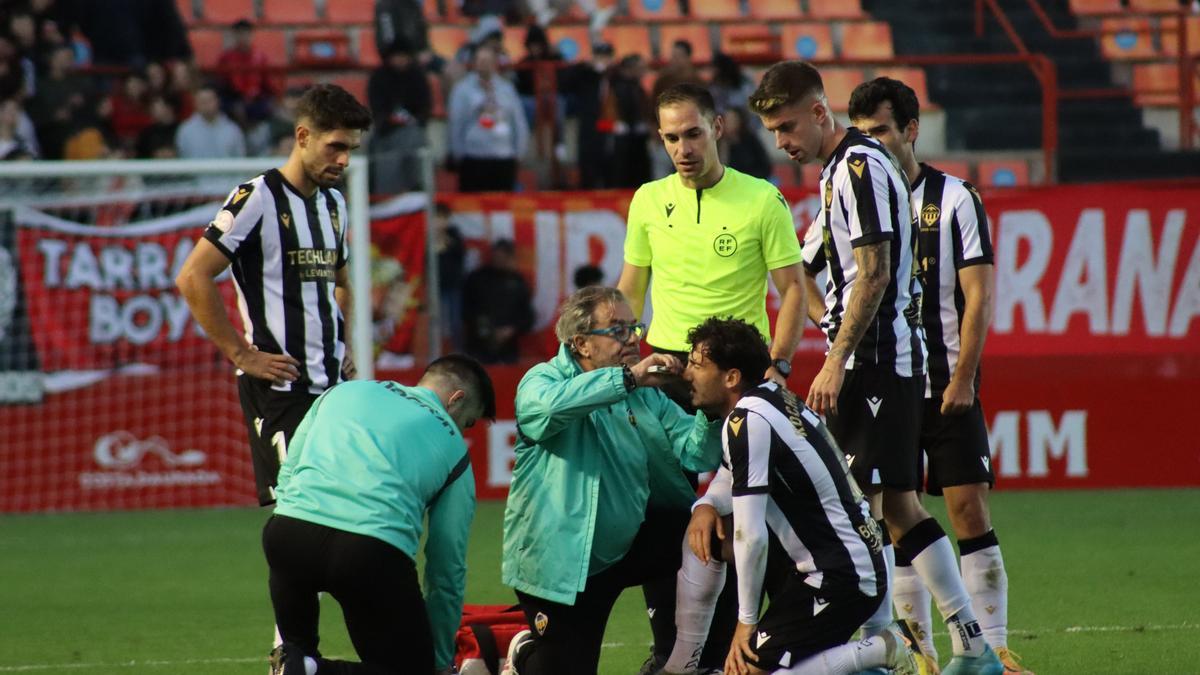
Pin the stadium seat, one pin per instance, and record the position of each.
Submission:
(717, 10)
(207, 45)
(627, 40)
(807, 41)
(836, 9)
(1003, 173)
(445, 41)
(1096, 7)
(368, 55)
(750, 40)
(350, 11)
(514, 42)
(866, 40)
(1127, 38)
(913, 77)
(1156, 84)
(695, 33)
(1170, 37)
(289, 11)
(654, 10)
(227, 11)
(187, 11)
(273, 42)
(1154, 5)
(839, 82)
(573, 42)
(322, 49)
(355, 84)
(787, 10)
(954, 167)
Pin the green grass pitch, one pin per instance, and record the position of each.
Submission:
(1100, 582)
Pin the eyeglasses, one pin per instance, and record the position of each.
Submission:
(621, 331)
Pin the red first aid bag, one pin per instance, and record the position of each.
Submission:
(481, 644)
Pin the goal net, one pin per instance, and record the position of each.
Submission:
(110, 395)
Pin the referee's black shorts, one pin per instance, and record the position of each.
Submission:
(878, 426)
(956, 447)
(271, 421)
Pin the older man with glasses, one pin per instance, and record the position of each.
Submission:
(597, 448)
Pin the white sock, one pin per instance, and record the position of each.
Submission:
(844, 659)
(882, 617)
(987, 582)
(937, 566)
(697, 586)
(912, 604)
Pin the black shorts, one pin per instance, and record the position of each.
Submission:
(878, 424)
(271, 421)
(956, 447)
(801, 622)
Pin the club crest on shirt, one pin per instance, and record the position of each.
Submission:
(735, 424)
(540, 622)
(930, 216)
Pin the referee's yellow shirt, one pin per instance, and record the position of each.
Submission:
(709, 251)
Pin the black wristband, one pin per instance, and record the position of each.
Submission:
(630, 383)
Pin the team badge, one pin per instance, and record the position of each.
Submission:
(540, 622)
(286, 219)
(857, 166)
(223, 221)
(725, 244)
(735, 424)
(930, 215)
(828, 193)
(670, 209)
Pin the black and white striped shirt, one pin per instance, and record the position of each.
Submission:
(952, 234)
(865, 200)
(286, 250)
(776, 448)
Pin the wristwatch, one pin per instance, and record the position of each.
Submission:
(630, 380)
(783, 366)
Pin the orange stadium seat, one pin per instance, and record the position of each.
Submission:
(787, 10)
(626, 40)
(954, 167)
(368, 55)
(836, 9)
(289, 11)
(867, 40)
(654, 10)
(350, 11)
(274, 44)
(1156, 83)
(749, 39)
(227, 11)
(355, 84)
(187, 11)
(1154, 5)
(207, 44)
(1127, 38)
(839, 82)
(695, 33)
(514, 42)
(573, 42)
(1170, 36)
(445, 41)
(1094, 7)
(1003, 173)
(717, 10)
(807, 41)
(913, 77)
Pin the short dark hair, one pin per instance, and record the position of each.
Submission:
(588, 275)
(785, 83)
(687, 92)
(732, 343)
(682, 44)
(467, 374)
(868, 96)
(328, 107)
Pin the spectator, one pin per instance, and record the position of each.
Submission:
(588, 275)
(544, 11)
(245, 72)
(678, 70)
(741, 148)
(209, 133)
(401, 101)
(157, 141)
(133, 33)
(452, 255)
(540, 60)
(182, 83)
(23, 32)
(629, 165)
(61, 100)
(496, 307)
(126, 110)
(12, 145)
(591, 102)
(488, 133)
(730, 87)
(400, 21)
(265, 137)
(13, 74)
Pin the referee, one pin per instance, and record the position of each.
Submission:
(872, 382)
(709, 236)
(284, 234)
(955, 252)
